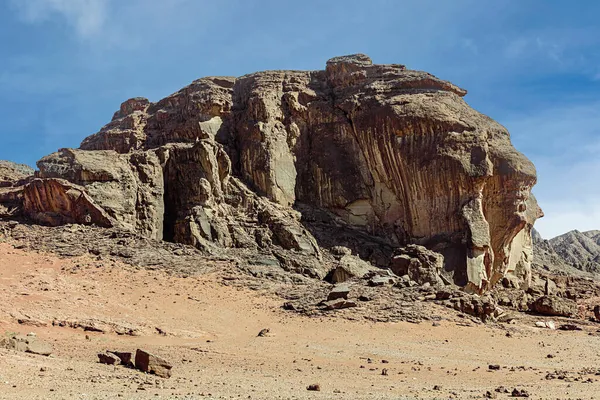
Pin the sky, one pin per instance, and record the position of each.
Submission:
(532, 65)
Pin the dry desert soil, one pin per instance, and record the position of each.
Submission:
(208, 331)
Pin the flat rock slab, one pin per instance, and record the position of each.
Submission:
(339, 304)
(339, 292)
(27, 344)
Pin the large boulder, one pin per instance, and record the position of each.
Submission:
(152, 364)
(420, 264)
(554, 306)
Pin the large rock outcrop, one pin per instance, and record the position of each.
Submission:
(392, 153)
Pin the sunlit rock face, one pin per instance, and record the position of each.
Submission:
(397, 154)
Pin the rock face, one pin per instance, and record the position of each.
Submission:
(388, 153)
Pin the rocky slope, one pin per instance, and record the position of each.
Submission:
(295, 163)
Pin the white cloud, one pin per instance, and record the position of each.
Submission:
(87, 17)
(564, 144)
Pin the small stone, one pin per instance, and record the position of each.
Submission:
(384, 372)
(494, 367)
(315, 387)
(264, 332)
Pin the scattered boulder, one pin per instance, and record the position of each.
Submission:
(150, 363)
(315, 387)
(597, 313)
(554, 306)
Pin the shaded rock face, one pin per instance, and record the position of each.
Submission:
(392, 154)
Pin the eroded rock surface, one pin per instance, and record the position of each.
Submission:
(375, 156)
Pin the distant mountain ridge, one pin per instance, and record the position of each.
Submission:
(572, 250)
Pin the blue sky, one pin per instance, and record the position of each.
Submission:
(533, 65)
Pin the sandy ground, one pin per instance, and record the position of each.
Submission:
(209, 332)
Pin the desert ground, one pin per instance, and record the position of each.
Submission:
(209, 331)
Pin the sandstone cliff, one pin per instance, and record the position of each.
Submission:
(368, 156)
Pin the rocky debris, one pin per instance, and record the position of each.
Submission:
(108, 359)
(554, 306)
(339, 292)
(482, 307)
(519, 393)
(394, 156)
(420, 264)
(150, 363)
(26, 343)
(94, 325)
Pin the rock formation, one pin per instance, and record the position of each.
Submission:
(391, 155)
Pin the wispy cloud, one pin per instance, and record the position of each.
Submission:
(87, 17)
